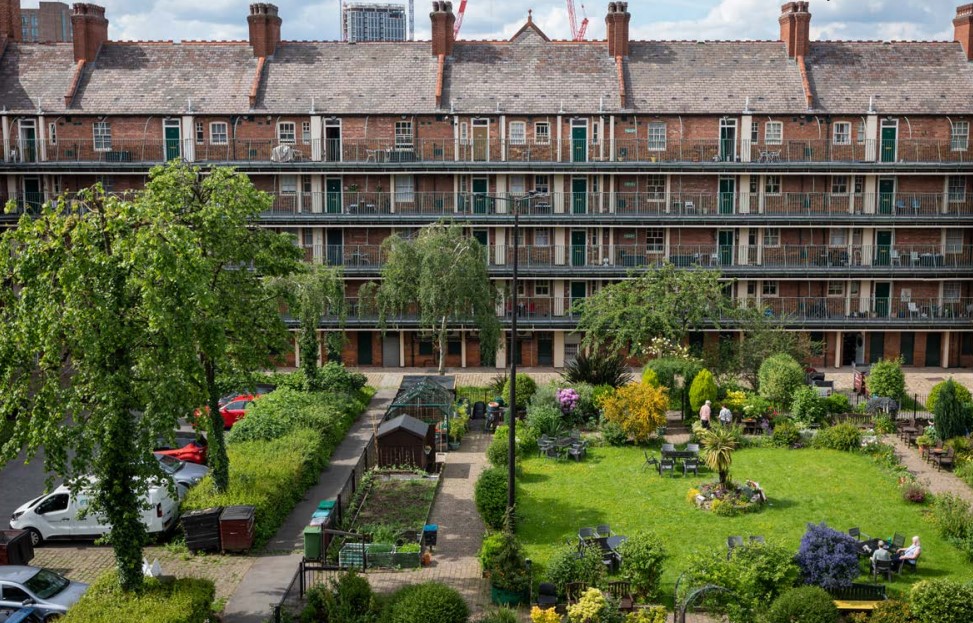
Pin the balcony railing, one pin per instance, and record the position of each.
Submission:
(864, 258)
(422, 150)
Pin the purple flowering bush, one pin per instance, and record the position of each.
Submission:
(568, 399)
(828, 558)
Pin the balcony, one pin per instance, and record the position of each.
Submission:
(384, 153)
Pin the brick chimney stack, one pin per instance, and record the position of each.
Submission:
(795, 28)
(264, 29)
(443, 23)
(617, 27)
(10, 20)
(90, 30)
(963, 25)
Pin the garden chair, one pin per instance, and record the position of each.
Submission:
(577, 451)
(857, 533)
(882, 567)
(668, 447)
(667, 465)
(574, 590)
(622, 593)
(479, 410)
(650, 461)
(690, 465)
(586, 536)
(898, 541)
(911, 564)
(731, 543)
(546, 596)
(692, 447)
(757, 539)
(604, 531)
(945, 460)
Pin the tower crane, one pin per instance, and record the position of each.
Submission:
(459, 18)
(577, 33)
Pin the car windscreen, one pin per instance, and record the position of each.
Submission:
(170, 465)
(45, 584)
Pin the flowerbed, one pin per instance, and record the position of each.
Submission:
(729, 500)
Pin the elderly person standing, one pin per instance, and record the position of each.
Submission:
(726, 416)
(704, 414)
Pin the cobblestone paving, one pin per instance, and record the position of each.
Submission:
(937, 481)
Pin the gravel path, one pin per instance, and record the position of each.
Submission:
(937, 481)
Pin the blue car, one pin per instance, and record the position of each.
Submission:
(23, 615)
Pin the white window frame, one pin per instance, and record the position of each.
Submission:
(771, 237)
(837, 237)
(518, 132)
(542, 237)
(653, 190)
(200, 133)
(658, 136)
(952, 291)
(770, 182)
(464, 133)
(905, 295)
(839, 185)
(954, 240)
(595, 132)
(287, 133)
(542, 132)
(842, 133)
(959, 136)
(405, 188)
(306, 132)
(542, 288)
(101, 134)
(655, 240)
(543, 188)
(755, 132)
(860, 139)
(288, 184)
(52, 133)
(214, 134)
(774, 133)
(836, 288)
(403, 135)
(956, 195)
(770, 288)
(517, 185)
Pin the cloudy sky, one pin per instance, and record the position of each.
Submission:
(492, 19)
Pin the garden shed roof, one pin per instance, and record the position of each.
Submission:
(404, 422)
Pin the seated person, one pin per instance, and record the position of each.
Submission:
(904, 554)
(881, 553)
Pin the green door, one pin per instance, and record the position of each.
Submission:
(907, 348)
(483, 237)
(883, 301)
(579, 143)
(725, 247)
(886, 195)
(579, 195)
(578, 248)
(365, 348)
(883, 248)
(28, 138)
(335, 247)
(332, 200)
(480, 200)
(579, 290)
(33, 197)
(172, 138)
(545, 349)
(728, 139)
(876, 343)
(889, 138)
(934, 348)
(727, 194)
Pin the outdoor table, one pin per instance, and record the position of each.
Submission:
(935, 453)
(614, 541)
(866, 548)
(749, 426)
(679, 454)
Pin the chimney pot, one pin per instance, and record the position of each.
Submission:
(264, 25)
(963, 29)
(10, 25)
(443, 23)
(795, 28)
(90, 30)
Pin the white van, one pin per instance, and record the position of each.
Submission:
(56, 515)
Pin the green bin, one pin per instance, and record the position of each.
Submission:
(312, 543)
(326, 505)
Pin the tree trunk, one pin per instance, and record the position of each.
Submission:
(309, 364)
(442, 348)
(219, 464)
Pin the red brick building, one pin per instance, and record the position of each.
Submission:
(829, 181)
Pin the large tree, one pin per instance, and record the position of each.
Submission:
(764, 335)
(113, 321)
(441, 275)
(666, 302)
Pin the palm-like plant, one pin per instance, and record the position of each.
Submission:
(718, 444)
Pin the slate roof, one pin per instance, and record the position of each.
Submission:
(33, 75)
(530, 76)
(905, 77)
(713, 77)
(157, 78)
(343, 78)
(404, 422)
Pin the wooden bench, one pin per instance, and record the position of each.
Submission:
(859, 597)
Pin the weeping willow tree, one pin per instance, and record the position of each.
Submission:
(315, 292)
(441, 277)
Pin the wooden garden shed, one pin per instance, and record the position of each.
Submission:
(404, 440)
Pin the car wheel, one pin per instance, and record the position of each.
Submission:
(35, 537)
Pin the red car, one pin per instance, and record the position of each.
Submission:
(193, 452)
(231, 410)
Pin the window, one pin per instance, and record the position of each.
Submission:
(52, 504)
(861, 132)
(853, 288)
(518, 133)
(454, 347)
(838, 237)
(15, 593)
(541, 185)
(905, 295)
(542, 133)
(951, 291)
(859, 184)
(287, 132)
(954, 241)
(774, 133)
(200, 133)
(655, 240)
(836, 288)
(542, 288)
(772, 236)
(839, 184)
(404, 188)
(957, 188)
(656, 187)
(218, 133)
(754, 185)
(288, 184)
(308, 237)
(306, 132)
(657, 136)
(518, 186)
(959, 138)
(842, 133)
(772, 185)
(102, 133)
(769, 288)
(464, 133)
(403, 134)
(52, 134)
(542, 237)
(755, 132)
(425, 347)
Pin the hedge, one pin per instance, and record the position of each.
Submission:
(272, 475)
(185, 600)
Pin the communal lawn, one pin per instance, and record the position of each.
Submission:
(846, 490)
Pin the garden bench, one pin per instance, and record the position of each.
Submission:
(859, 597)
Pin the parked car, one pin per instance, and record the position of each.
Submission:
(21, 615)
(231, 411)
(186, 475)
(47, 593)
(259, 390)
(56, 515)
(192, 452)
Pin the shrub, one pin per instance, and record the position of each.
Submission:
(497, 452)
(828, 558)
(702, 389)
(778, 377)
(807, 406)
(501, 615)
(527, 438)
(950, 415)
(669, 369)
(546, 419)
(952, 517)
(525, 390)
(837, 404)
(185, 600)
(597, 369)
(884, 425)
(886, 379)
(285, 410)
(735, 400)
(613, 433)
(937, 601)
(914, 492)
(638, 408)
(965, 472)
(756, 406)
(807, 604)
(334, 377)
(430, 601)
(845, 437)
(490, 549)
(652, 614)
(593, 607)
(490, 496)
(644, 554)
(785, 434)
(587, 409)
(650, 377)
(347, 598)
(509, 569)
(543, 615)
(962, 394)
(568, 565)
(891, 611)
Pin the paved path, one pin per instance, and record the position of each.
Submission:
(268, 579)
(937, 481)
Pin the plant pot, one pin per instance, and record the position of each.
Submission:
(453, 445)
(503, 597)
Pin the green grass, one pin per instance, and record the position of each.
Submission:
(843, 489)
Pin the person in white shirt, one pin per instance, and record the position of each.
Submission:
(910, 553)
(726, 416)
(704, 413)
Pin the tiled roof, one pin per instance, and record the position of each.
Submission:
(155, 78)
(530, 76)
(366, 78)
(903, 77)
(35, 75)
(713, 77)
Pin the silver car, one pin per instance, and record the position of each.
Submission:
(49, 593)
(186, 475)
